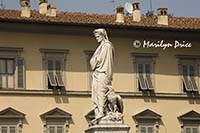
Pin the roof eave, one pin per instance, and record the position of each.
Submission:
(29, 21)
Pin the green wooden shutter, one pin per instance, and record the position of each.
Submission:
(148, 72)
(20, 74)
(59, 72)
(142, 82)
(185, 71)
(51, 69)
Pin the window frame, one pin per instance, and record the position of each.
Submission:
(55, 72)
(16, 119)
(189, 119)
(144, 58)
(54, 54)
(144, 75)
(147, 118)
(188, 61)
(15, 54)
(7, 74)
(56, 117)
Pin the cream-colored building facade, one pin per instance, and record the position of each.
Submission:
(45, 78)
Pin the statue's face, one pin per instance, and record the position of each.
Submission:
(98, 37)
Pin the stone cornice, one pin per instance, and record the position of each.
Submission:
(11, 49)
(72, 93)
(54, 50)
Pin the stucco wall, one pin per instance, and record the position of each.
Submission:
(166, 66)
(34, 106)
(166, 80)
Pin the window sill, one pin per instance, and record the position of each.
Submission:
(88, 93)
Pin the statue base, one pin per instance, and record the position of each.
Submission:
(108, 128)
(109, 125)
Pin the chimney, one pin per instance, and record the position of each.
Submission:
(120, 14)
(43, 6)
(25, 8)
(51, 10)
(136, 12)
(162, 16)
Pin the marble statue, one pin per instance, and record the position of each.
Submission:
(107, 105)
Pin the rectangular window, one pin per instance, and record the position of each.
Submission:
(144, 66)
(144, 76)
(189, 72)
(11, 73)
(54, 61)
(55, 128)
(7, 73)
(12, 70)
(8, 129)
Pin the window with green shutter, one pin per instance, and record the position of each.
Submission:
(188, 70)
(55, 73)
(188, 77)
(144, 69)
(54, 62)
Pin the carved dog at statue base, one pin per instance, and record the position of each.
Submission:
(114, 102)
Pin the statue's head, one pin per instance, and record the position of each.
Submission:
(100, 35)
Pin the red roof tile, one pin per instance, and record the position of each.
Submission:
(84, 18)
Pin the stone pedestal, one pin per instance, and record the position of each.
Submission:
(109, 128)
(111, 123)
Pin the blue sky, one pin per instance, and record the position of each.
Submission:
(180, 8)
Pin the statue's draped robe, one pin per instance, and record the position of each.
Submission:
(102, 67)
